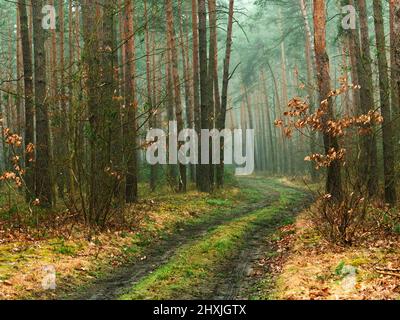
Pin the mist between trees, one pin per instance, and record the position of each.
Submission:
(210, 140)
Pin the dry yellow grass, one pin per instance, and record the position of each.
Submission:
(314, 269)
(77, 260)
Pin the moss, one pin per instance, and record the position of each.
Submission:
(196, 264)
(339, 268)
(359, 261)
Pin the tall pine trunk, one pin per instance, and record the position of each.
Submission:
(333, 179)
(43, 183)
(28, 98)
(369, 165)
(176, 86)
(196, 88)
(221, 120)
(387, 127)
(395, 64)
(272, 148)
(204, 174)
(214, 99)
(310, 59)
(130, 122)
(149, 98)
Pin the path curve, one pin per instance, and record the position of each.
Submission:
(118, 283)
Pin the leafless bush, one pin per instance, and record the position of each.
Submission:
(340, 221)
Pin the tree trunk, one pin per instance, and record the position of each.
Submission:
(28, 98)
(224, 95)
(43, 182)
(271, 148)
(110, 90)
(71, 125)
(195, 63)
(130, 122)
(184, 45)
(63, 162)
(287, 143)
(174, 89)
(185, 69)
(95, 179)
(149, 97)
(204, 174)
(309, 38)
(214, 99)
(54, 114)
(172, 172)
(387, 128)
(363, 99)
(310, 61)
(333, 180)
(395, 64)
(176, 85)
(281, 155)
(19, 62)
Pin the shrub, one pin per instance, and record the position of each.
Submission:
(340, 221)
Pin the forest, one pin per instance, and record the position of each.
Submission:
(199, 149)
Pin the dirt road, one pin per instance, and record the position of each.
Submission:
(229, 276)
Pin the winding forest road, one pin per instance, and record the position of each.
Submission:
(232, 274)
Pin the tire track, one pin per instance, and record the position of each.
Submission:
(235, 276)
(124, 278)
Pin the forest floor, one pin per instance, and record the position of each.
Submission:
(315, 269)
(253, 240)
(166, 228)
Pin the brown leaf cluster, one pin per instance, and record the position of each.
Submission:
(323, 161)
(298, 117)
(15, 142)
(12, 138)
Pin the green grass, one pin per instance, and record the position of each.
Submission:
(195, 264)
(339, 268)
(219, 202)
(62, 248)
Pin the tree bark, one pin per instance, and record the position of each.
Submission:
(395, 65)
(333, 180)
(149, 97)
(271, 148)
(130, 122)
(19, 62)
(195, 63)
(287, 143)
(387, 127)
(204, 174)
(62, 173)
(214, 99)
(363, 99)
(43, 183)
(310, 61)
(177, 90)
(28, 98)
(224, 95)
